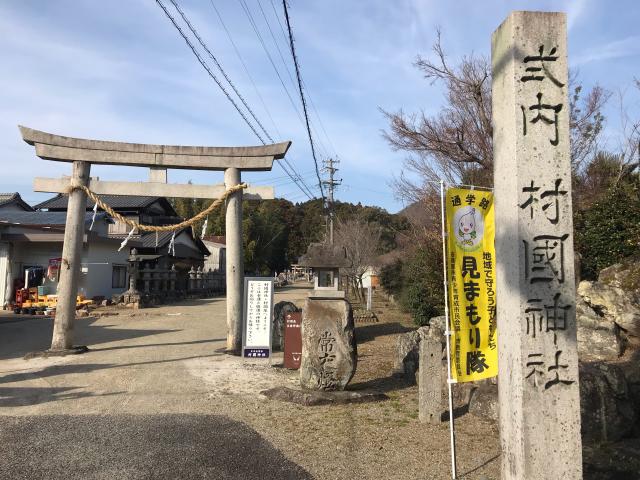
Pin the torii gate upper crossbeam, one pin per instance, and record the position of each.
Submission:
(68, 149)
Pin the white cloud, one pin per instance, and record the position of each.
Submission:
(575, 10)
(626, 47)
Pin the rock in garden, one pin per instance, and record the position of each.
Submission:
(329, 351)
(607, 409)
(406, 357)
(598, 336)
(484, 401)
(613, 303)
(624, 275)
(280, 311)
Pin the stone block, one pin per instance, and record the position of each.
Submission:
(430, 405)
(598, 337)
(484, 401)
(406, 358)
(535, 284)
(280, 311)
(613, 303)
(329, 350)
(607, 407)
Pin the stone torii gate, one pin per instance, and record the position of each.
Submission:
(158, 158)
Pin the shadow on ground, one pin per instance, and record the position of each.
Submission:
(26, 396)
(383, 384)
(138, 447)
(124, 347)
(189, 302)
(24, 334)
(21, 396)
(367, 333)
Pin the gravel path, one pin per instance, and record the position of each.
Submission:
(166, 364)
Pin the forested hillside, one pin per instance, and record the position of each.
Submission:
(277, 232)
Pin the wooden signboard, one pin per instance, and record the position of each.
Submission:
(292, 340)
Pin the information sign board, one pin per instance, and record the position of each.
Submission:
(258, 317)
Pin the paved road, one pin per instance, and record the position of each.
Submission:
(136, 447)
(135, 406)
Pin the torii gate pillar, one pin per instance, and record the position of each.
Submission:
(234, 262)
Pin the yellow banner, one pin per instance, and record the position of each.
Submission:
(471, 274)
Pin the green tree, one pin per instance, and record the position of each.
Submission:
(609, 230)
(422, 294)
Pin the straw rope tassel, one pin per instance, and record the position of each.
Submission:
(93, 218)
(172, 245)
(204, 227)
(126, 240)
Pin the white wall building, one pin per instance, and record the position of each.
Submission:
(33, 239)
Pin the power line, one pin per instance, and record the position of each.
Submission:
(256, 30)
(304, 103)
(247, 12)
(273, 37)
(246, 69)
(244, 65)
(286, 40)
(206, 67)
(213, 76)
(224, 74)
(313, 105)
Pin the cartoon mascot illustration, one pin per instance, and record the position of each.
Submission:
(467, 228)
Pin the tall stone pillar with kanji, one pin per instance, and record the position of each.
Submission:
(538, 360)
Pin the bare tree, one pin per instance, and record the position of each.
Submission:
(456, 144)
(361, 241)
(629, 146)
(585, 121)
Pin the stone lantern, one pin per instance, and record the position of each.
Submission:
(326, 261)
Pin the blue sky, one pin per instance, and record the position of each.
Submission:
(118, 70)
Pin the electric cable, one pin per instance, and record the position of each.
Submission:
(304, 103)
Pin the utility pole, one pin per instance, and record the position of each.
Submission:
(329, 167)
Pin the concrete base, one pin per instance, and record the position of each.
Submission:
(58, 353)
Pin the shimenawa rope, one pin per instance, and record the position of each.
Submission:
(159, 228)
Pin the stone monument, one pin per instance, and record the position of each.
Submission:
(329, 350)
(538, 362)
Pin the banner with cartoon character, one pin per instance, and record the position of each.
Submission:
(471, 274)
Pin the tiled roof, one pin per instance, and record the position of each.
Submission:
(114, 201)
(40, 218)
(15, 196)
(149, 240)
(7, 197)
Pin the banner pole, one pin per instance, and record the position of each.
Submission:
(448, 333)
